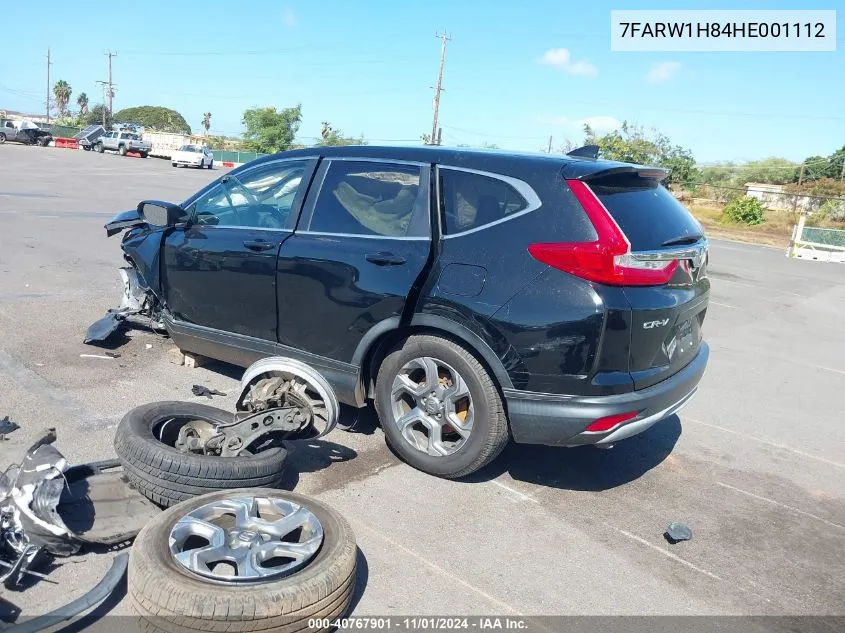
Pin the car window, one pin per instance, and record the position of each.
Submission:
(125, 136)
(370, 198)
(261, 197)
(470, 200)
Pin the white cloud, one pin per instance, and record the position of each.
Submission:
(289, 18)
(561, 58)
(662, 71)
(600, 123)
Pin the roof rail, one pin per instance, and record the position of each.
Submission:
(588, 151)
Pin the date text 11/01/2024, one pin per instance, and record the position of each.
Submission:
(421, 623)
(728, 29)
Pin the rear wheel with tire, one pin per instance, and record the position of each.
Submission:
(99, 147)
(439, 408)
(122, 150)
(2, 138)
(211, 164)
(144, 154)
(247, 560)
(174, 164)
(145, 443)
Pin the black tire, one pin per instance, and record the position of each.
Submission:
(144, 154)
(211, 165)
(489, 434)
(169, 599)
(175, 165)
(122, 150)
(2, 138)
(87, 148)
(99, 147)
(168, 476)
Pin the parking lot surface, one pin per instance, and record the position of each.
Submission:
(755, 465)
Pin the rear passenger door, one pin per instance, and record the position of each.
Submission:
(360, 247)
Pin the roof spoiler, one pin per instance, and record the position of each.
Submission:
(600, 169)
(587, 151)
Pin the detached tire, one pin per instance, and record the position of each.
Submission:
(168, 598)
(167, 476)
(471, 418)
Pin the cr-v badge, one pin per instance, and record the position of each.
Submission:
(648, 325)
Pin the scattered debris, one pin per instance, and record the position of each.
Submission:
(103, 356)
(192, 361)
(104, 327)
(677, 532)
(148, 346)
(200, 390)
(6, 427)
(175, 356)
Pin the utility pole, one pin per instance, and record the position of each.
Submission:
(111, 89)
(443, 37)
(105, 86)
(550, 145)
(842, 173)
(801, 175)
(48, 85)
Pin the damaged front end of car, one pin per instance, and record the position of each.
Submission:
(139, 301)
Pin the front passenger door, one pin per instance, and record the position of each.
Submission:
(220, 271)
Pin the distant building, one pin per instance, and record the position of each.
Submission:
(14, 115)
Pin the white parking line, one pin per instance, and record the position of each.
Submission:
(779, 504)
(719, 280)
(724, 305)
(522, 496)
(665, 553)
(766, 442)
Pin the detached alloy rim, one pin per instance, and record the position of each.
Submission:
(246, 539)
(432, 406)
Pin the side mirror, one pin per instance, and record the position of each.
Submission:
(161, 214)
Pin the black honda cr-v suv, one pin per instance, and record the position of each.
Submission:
(474, 296)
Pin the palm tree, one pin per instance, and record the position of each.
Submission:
(62, 91)
(206, 121)
(82, 102)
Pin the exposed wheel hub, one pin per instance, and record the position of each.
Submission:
(432, 406)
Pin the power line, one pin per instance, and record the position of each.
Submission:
(458, 129)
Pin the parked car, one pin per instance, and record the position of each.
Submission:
(24, 132)
(474, 296)
(192, 156)
(122, 143)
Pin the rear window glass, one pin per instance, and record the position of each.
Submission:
(646, 212)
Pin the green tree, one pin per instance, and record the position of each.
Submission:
(821, 167)
(97, 115)
(62, 92)
(206, 122)
(331, 137)
(268, 130)
(82, 102)
(631, 143)
(156, 118)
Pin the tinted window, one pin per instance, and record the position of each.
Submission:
(472, 200)
(259, 198)
(646, 212)
(367, 198)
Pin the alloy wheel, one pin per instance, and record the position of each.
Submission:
(246, 539)
(432, 406)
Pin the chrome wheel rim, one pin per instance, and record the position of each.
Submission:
(246, 539)
(432, 406)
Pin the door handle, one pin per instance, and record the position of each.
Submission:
(259, 245)
(385, 259)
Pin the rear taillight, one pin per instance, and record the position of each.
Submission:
(608, 260)
(605, 424)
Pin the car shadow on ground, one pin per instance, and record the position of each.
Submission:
(585, 468)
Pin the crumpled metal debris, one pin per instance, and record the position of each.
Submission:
(200, 390)
(677, 532)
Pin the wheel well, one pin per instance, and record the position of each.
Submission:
(383, 345)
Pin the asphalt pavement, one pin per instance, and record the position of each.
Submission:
(755, 465)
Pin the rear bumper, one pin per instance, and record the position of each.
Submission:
(539, 418)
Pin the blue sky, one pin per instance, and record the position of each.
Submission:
(368, 67)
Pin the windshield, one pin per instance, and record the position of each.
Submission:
(189, 148)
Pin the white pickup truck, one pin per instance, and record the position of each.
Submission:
(122, 143)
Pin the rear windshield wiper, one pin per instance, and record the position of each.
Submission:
(683, 239)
